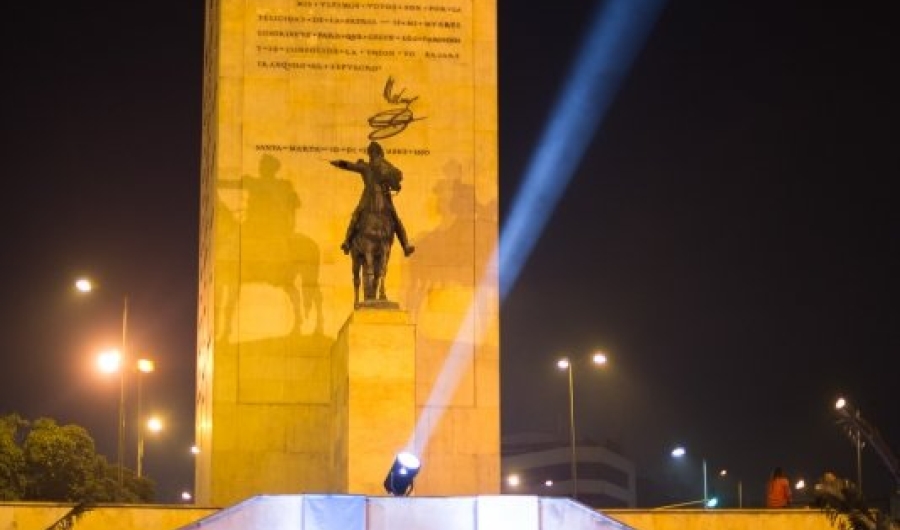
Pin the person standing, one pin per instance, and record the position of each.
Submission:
(778, 490)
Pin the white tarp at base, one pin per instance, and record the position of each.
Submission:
(357, 512)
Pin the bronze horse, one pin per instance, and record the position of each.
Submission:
(373, 226)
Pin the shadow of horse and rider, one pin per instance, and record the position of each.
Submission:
(260, 238)
(452, 243)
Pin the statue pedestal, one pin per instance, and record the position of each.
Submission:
(373, 380)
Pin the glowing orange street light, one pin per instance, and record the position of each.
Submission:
(85, 285)
(154, 425)
(144, 366)
(110, 362)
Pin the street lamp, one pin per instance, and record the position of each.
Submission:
(154, 425)
(84, 285)
(843, 407)
(740, 487)
(679, 452)
(144, 366)
(599, 358)
(110, 362)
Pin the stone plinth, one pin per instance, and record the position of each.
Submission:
(373, 379)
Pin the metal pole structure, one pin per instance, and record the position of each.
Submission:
(572, 433)
(705, 489)
(740, 494)
(144, 366)
(121, 445)
(140, 427)
(858, 455)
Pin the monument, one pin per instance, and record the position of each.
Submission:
(300, 389)
(373, 226)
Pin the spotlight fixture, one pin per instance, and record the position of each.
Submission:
(399, 480)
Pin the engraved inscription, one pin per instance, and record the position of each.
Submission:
(351, 36)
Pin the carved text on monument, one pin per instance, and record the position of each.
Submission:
(344, 36)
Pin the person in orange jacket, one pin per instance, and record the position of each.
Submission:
(778, 490)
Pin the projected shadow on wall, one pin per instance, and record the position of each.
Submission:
(270, 268)
(452, 243)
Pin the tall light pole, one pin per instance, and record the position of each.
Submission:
(85, 285)
(564, 364)
(856, 435)
(110, 361)
(144, 366)
(679, 452)
(153, 424)
(740, 487)
(598, 358)
(705, 484)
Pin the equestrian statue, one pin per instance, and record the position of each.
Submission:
(373, 226)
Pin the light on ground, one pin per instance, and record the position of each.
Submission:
(399, 480)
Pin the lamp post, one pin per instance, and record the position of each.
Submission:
(154, 425)
(598, 358)
(144, 366)
(856, 435)
(679, 452)
(85, 285)
(740, 487)
(109, 362)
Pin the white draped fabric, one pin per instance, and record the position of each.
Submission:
(356, 512)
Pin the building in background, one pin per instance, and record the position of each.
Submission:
(541, 464)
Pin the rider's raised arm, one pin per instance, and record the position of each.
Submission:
(349, 166)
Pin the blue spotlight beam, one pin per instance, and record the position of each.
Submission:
(619, 30)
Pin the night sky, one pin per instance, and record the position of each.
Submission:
(730, 238)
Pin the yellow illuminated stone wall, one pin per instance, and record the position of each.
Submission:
(373, 380)
(752, 519)
(162, 517)
(289, 86)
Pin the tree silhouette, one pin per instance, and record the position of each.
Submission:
(45, 461)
